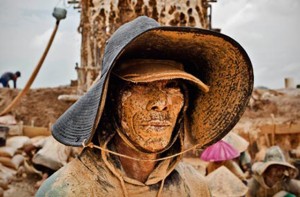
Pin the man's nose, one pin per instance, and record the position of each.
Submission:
(158, 102)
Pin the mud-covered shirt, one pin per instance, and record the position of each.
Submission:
(89, 175)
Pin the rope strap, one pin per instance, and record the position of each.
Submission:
(92, 145)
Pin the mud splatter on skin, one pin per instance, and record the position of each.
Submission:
(148, 113)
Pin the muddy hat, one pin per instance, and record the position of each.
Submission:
(222, 182)
(154, 70)
(274, 156)
(238, 142)
(209, 58)
(219, 151)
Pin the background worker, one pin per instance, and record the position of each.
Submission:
(7, 76)
(274, 175)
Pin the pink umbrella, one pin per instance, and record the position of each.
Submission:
(219, 151)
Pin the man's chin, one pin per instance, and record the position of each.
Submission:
(153, 130)
(156, 150)
(155, 147)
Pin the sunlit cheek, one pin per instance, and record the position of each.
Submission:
(130, 110)
(124, 124)
(177, 104)
(167, 137)
(178, 100)
(126, 112)
(125, 96)
(165, 142)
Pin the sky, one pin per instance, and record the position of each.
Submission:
(267, 29)
(26, 27)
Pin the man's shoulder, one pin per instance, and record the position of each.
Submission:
(192, 179)
(7, 75)
(188, 169)
(62, 181)
(293, 186)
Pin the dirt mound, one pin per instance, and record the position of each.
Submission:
(39, 106)
(272, 106)
(281, 103)
(42, 107)
(271, 118)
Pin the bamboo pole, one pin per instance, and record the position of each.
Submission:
(33, 75)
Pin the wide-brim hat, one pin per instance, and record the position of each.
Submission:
(155, 70)
(274, 156)
(222, 182)
(214, 58)
(219, 151)
(235, 140)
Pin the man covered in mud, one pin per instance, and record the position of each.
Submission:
(274, 176)
(160, 87)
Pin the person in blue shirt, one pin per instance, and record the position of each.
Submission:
(7, 76)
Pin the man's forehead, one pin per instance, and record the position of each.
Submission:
(169, 83)
(130, 66)
(276, 167)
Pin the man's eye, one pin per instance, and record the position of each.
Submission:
(172, 84)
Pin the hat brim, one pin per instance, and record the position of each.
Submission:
(154, 70)
(219, 61)
(222, 182)
(260, 167)
(219, 151)
(216, 59)
(236, 141)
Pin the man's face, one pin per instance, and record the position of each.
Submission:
(148, 113)
(274, 174)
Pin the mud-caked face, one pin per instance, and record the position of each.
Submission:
(148, 113)
(274, 174)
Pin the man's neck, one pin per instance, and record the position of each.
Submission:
(139, 170)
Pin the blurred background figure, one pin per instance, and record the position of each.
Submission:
(240, 144)
(222, 182)
(7, 76)
(222, 154)
(273, 176)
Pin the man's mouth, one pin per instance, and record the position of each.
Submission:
(156, 126)
(157, 123)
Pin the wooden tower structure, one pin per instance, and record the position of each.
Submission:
(100, 18)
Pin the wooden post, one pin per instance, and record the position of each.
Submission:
(100, 19)
(274, 130)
